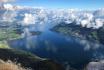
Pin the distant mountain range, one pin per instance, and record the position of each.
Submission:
(84, 24)
(86, 18)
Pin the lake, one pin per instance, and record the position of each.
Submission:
(62, 49)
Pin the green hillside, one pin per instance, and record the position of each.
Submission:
(96, 35)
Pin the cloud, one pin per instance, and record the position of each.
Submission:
(8, 6)
(84, 23)
(5, 1)
(88, 45)
(88, 19)
(9, 16)
(28, 19)
(99, 23)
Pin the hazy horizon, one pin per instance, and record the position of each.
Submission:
(56, 4)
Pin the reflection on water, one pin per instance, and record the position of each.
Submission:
(62, 49)
(26, 36)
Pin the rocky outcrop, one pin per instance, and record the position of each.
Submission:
(95, 65)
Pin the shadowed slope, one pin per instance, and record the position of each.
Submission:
(28, 60)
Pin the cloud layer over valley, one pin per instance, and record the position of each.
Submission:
(90, 19)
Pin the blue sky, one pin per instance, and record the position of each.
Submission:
(81, 4)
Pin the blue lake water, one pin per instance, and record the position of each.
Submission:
(62, 49)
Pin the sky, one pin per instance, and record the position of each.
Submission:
(80, 4)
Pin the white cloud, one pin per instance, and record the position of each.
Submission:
(8, 7)
(9, 16)
(99, 23)
(40, 15)
(28, 19)
(5, 1)
(84, 23)
(84, 18)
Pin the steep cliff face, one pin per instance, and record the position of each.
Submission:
(28, 60)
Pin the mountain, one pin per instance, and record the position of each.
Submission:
(94, 35)
(51, 17)
(83, 24)
(28, 60)
(99, 65)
